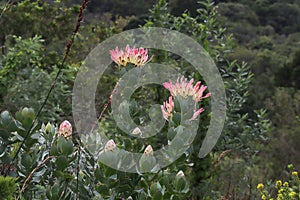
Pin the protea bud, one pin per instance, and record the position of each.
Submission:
(137, 131)
(180, 174)
(148, 151)
(65, 129)
(48, 127)
(110, 145)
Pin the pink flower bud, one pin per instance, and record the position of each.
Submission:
(180, 174)
(65, 129)
(110, 145)
(148, 151)
(137, 131)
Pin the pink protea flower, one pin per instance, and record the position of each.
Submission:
(184, 88)
(167, 108)
(65, 129)
(133, 55)
(118, 56)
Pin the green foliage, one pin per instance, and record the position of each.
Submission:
(24, 54)
(49, 166)
(242, 133)
(8, 187)
(238, 12)
(29, 18)
(273, 60)
(13, 132)
(24, 64)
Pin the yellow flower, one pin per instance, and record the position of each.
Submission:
(295, 174)
(280, 191)
(292, 194)
(290, 166)
(278, 183)
(263, 197)
(260, 186)
(286, 184)
(280, 197)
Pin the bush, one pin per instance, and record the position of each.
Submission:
(8, 187)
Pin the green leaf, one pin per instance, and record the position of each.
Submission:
(61, 142)
(102, 189)
(26, 161)
(177, 118)
(54, 151)
(171, 134)
(67, 149)
(55, 191)
(61, 162)
(147, 163)
(98, 174)
(5, 117)
(180, 184)
(144, 183)
(155, 188)
(157, 196)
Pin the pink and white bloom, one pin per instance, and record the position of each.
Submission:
(65, 129)
(133, 55)
(148, 151)
(137, 131)
(185, 89)
(110, 145)
(167, 108)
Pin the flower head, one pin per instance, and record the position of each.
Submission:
(148, 151)
(260, 186)
(65, 129)
(278, 183)
(290, 166)
(110, 145)
(180, 174)
(48, 127)
(133, 55)
(295, 174)
(186, 88)
(137, 131)
(183, 88)
(292, 194)
(167, 108)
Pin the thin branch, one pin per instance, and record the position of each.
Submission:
(77, 173)
(106, 105)
(7, 6)
(34, 170)
(68, 48)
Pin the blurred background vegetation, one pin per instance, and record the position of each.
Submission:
(263, 33)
